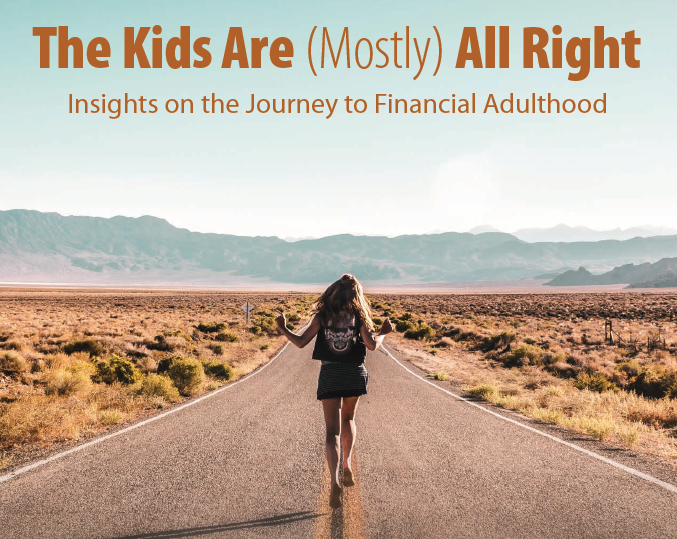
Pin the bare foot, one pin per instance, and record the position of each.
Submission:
(335, 498)
(348, 480)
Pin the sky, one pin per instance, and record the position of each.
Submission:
(304, 175)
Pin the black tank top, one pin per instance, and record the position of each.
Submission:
(341, 341)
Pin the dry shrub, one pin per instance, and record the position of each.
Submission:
(552, 417)
(154, 385)
(39, 418)
(217, 369)
(629, 435)
(226, 336)
(484, 391)
(526, 354)
(660, 413)
(597, 427)
(67, 383)
(12, 345)
(148, 364)
(594, 382)
(48, 397)
(12, 363)
(89, 346)
(117, 369)
(187, 375)
(110, 417)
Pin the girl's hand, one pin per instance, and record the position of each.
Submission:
(386, 328)
(281, 321)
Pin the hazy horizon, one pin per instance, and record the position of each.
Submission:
(478, 229)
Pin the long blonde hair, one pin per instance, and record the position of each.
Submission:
(344, 295)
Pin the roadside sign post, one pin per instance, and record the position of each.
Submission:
(247, 308)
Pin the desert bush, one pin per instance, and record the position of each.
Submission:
(212, 327)
(154, 385)
(655, 382)
(116, 369)
(545, 415)
(165, 363)
(293, 318)
(219, 370)
(12, 345)
(187, 375)
(594, 382)
(500, 341)
(159, 344)
(554, 358)
(177, 333)
(136, 351)
(628, 436)
(420, 332)
(441, 376)
(402, 326)
(148, 364)
(597, 427)
(630, 369)
(649, 381)
(39, 418)
(67, 383)
(80, 365)
(226, 336)
(527, 354)
(110, 417)
(216, 348)
(89, 346)
(660, 414)
(264, 323)
(484, 391)
(12, 363)
(563, 370)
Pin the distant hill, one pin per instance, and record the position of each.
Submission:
(657, 275)
(48, 247)
(566, 233)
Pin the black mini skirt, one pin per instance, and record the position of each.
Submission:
(338, 379)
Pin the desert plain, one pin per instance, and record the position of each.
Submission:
(78, 362)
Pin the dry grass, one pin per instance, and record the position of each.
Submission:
(544, 355)
(58, 347)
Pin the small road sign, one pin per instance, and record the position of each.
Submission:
(247, 308)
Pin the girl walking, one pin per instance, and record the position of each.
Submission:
(343, 327)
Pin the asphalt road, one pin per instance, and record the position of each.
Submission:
(249, 462)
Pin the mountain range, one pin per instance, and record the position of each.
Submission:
(51, 248)
(566, 233)
(657, 275)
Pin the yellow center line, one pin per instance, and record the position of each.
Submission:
(346, 522)
(323, 523)
(353, 515)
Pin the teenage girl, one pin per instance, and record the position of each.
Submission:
(343, 326)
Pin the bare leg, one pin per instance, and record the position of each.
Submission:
(332, 420)
(348, 431)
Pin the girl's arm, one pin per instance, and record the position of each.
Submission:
(298, 340)
(371, 341)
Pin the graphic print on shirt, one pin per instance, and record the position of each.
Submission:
(342, 335)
